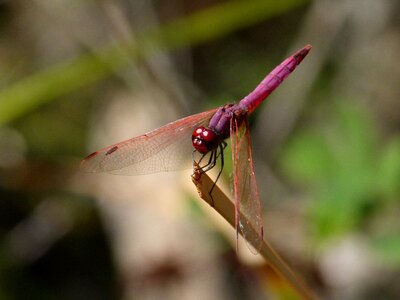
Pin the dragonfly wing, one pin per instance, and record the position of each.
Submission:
(167, 148)
(247, 203)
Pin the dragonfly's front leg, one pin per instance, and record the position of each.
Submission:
(221, 147)
(214, 155)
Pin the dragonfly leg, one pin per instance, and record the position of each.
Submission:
(201, 158)
(211, 162)
(209, 165)
(224, 144)
(193, 152)
(221, 153)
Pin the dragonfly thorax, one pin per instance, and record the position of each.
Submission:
(205, 139)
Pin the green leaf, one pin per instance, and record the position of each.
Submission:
(389, 173)
(353, 138)
(388, 248)
(338, 160)
(308, 158)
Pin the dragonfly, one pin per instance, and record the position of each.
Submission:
(167, 148)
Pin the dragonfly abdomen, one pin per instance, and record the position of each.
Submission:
(273, 80)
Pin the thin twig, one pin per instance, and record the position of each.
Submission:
(226, 208)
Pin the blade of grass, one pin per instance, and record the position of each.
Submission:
(56, 81)
(218, 21)
(226, 208)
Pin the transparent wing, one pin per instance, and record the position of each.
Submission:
(247, 203)
(167, 148)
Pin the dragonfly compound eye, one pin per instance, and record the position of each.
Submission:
(204, 139)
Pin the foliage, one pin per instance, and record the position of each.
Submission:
(352, 175)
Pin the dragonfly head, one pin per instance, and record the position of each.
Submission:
(204, 139)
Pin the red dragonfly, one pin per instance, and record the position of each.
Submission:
(167, 148)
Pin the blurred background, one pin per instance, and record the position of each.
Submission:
(80, 75)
